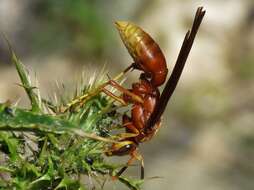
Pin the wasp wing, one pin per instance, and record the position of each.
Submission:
(177, 71)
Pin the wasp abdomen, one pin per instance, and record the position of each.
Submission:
(145, 51)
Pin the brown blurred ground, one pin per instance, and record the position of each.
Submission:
(207, 137)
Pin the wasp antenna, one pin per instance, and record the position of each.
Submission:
(177, 71)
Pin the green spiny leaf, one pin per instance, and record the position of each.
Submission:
(68, 183)
(5, 169)
(10, 142)
(63, 140)
(26, 83)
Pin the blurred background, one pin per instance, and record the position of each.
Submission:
(207, 137)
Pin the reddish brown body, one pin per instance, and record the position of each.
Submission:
(146, 53)
(148, 104)
(148, 58)
(141, 112)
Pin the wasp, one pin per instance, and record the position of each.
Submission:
(148, 104)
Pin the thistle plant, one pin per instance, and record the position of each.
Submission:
(59, 144)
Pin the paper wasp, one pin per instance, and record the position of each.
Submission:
(147, 103)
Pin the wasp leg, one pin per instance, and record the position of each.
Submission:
(119, 99)
(121, 148)
(125, 91)
(132, 66)
(82, 99)
(123, 136)
(131, 130)
(141, 159)
(125, 167)
(134, 156)
(127, 123)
